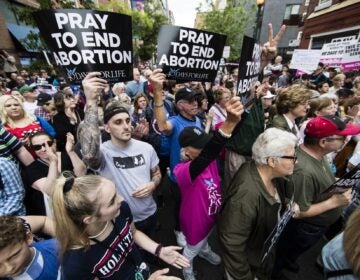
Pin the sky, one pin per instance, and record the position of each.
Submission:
(184, 11)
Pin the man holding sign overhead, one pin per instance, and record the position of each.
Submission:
(239, 146)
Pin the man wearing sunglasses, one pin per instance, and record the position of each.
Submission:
(312, 175)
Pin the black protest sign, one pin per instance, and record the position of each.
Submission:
(349, 180)
(83, 41)
(186, 54)
(249, 68)
(273, 238)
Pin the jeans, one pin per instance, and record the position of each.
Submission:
(191, 251)
(148, 226)
(298, 237)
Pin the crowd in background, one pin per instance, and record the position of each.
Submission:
(88, 161)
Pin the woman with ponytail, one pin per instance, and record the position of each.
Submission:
(97, 236)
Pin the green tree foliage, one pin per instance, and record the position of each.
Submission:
(231, 21)
(145, 25)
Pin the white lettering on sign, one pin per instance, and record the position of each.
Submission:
(75, 20)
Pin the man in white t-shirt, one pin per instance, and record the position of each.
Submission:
(131, 164)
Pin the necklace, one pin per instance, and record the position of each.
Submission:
(101, 232)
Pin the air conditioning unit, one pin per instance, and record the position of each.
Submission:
(294, 43)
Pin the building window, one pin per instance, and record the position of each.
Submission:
(307, 2)
(291, 10)
(323, 4)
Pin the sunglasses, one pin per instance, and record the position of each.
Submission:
(38, 147)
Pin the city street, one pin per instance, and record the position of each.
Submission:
(206, 271)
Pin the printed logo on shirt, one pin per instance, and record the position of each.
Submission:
(116, 254)
(214, 197)
(129, 162)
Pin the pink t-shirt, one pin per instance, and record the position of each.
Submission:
(200, 201)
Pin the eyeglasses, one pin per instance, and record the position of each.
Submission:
(335, 138)
(37, 147)
(294, 158)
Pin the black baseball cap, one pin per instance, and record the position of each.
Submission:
(42, 98)
(193, 136)
(185, 93)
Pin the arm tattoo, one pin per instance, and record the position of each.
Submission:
(156, 175)
(89, 137)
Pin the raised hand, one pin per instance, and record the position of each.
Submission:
(93, 86)
(70, 141)
(234, 109)
(157, 78)
(51, 154)
(269, 48)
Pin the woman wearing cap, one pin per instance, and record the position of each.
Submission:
(19, 122)
(97, 235)
(253, 203)
(198, 179)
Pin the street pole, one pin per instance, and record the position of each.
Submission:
(257, 28)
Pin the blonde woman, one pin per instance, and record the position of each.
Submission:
(19, 122)
(97, 236)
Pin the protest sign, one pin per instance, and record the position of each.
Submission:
(342, 53)
(351, 57)
(82, 41)
(249, 68)
(349, 180)
(274, 236)
(186, 54)
(305, 60)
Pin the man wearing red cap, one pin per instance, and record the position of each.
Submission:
(312, 175)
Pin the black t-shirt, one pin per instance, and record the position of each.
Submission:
(34, 200)
(100, 261)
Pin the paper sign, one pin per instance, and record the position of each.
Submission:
(305, 60)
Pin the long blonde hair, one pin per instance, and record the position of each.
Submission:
(71, 204)
(5, 120)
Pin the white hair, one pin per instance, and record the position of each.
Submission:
(272, 143)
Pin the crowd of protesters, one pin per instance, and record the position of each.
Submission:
(81, 167)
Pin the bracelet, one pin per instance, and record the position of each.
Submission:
(223, 134)
(159, 106)
(158, 250)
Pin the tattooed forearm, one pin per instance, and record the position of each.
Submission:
(156, 175)
(89, 137)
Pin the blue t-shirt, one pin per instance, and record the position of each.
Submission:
(45, 265)
(115, 258)
(179, 123)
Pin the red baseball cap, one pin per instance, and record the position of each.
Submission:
(321, 127)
